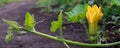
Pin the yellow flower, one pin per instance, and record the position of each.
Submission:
(94, 14)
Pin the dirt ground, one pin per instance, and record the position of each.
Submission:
(16, 11)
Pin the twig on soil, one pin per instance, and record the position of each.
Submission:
(40, 21)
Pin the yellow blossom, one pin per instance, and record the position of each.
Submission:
(94, 14)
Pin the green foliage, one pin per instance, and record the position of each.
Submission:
(111, 15)
(4, 2)
(66, 5)
(61, 2)
(29, 22)
(12, 24)
(115, 20)
(116, 2)
(56, 5)
(77, 14)
(9, 36)
(57, 24)
(46, 3)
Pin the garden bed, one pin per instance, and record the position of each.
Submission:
(73, 31)
(29, 40)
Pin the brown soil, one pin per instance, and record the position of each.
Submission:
(16, 11)
(73, 31)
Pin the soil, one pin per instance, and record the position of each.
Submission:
(16, 12)
(73, 31)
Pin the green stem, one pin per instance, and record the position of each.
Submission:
(92, 29)
(66, 45)
(61, 35)
(93, 32)
(72, 42)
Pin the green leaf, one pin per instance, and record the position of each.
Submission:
(60, 18)
(12, 24)
(57, 24)
(77, 13)
(116, 2)
(29, 21)
(54, 26)
(9, 36)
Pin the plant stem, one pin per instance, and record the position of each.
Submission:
(66, 45)
(61, 35)
(93, 32)
(92, 29)
(72, 42)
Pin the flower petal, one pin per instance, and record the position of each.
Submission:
(94, 14)
(99, 14)
(95, 8)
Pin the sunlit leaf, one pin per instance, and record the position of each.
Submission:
(54, 26)
(57, 24)
(12, 24)
(76, 13)
(29, 21)
(60, 18)
(9, 36)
